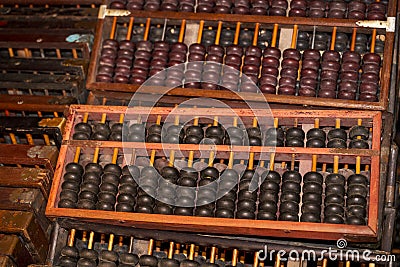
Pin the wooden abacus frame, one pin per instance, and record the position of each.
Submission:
(219, 225)
(104, 26)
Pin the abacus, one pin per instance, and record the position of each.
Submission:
(347, 60)
(31, 130)
(91, 247)
(301, 176)
(33, 156)
(45, 77)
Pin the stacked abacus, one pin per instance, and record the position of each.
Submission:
(233, 190)
(89, 248)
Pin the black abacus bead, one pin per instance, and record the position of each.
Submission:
(313, 177)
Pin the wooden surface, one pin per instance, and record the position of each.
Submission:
(13, 252)
(26, 227)
(29, 155)
(36, 103)
(25, 199)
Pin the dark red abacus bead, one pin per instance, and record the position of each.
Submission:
(270, 61)
(311, 54)
(268, 79)
(196, 57)
(197, 49)
(268, 88)
(298, 4)
(110, 43)
(272, 52)
(376, 15)
(312, 73)
(241, 10)
(290, 63)
(331, 56)
(252, 60)
(370, 88)
(141, 64)
(349, 76)
(328, 84)
(369, 78)
(368, 97)
(328, 74)
(330, 65)
(308, 82)
(214, 58)
(350, 86)
(137, 80)
(289, 72)
(286, 90)
(269, 71)
(350, 66)
(204, 9)
(370, 68)
(297, 13)
(151, 7)
(253, 51)
(248, 87)
(356, 14)
(109, 52)
(230, 86)
(336, 14)
(316, 13)
(346, 95)
(124, 71)
(120, 79)
(287, 81)
(259, 11)
(307, 91)
(107, 61)
(292, 53)
(103, 78)
(323, 93)
(310, 64)
(106, 70)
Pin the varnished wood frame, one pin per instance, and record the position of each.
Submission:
(279, 229)
(103, 26)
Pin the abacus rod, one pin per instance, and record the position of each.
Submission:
(150, 247)
(256, 32)
(164, 29)
(353, 39)
(333, 39)
(256, 255)
(110, 242)
(171, 250)
(235, 257)
(313, 37)
(182, 31)
(147, 29)
(230, 162)
(237, 33)
(71, 238)
(113, 28)
(212, 255)
(91, 236)
(218, 35)
(294, 37)
(191, 252)
(200, 31)
(274, 35)
(130, 27)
